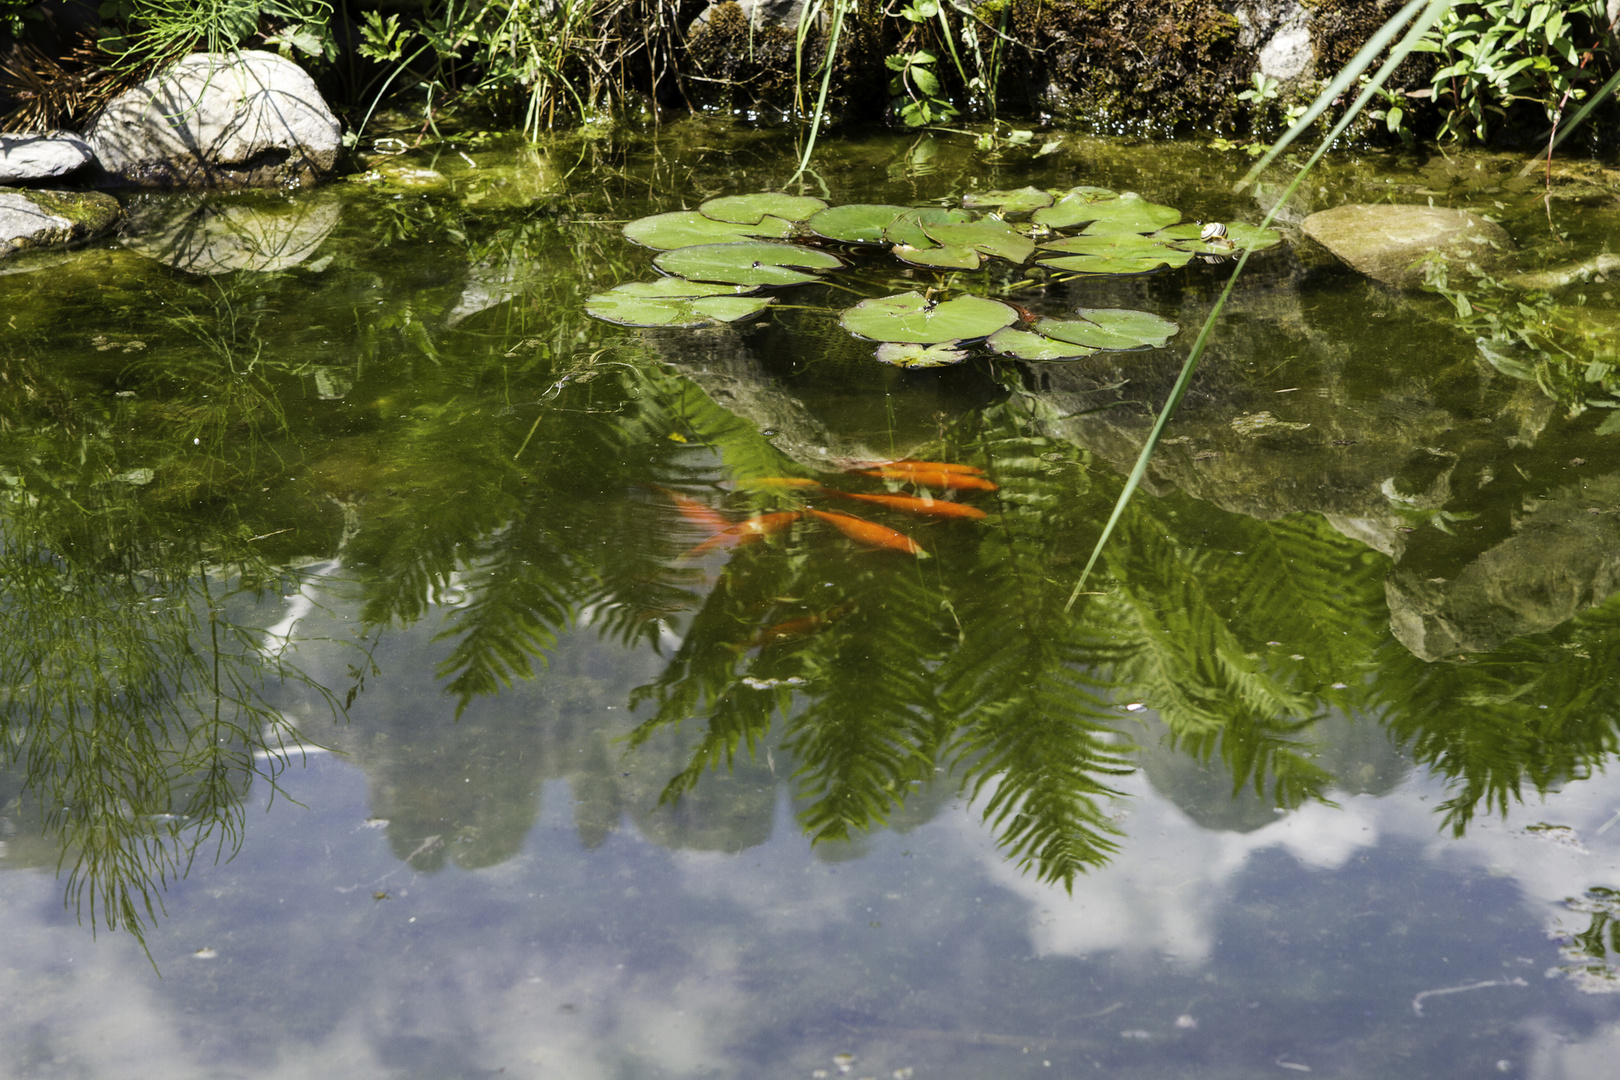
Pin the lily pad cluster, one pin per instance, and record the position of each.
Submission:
(719, 258)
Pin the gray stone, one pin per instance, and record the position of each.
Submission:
(762, 13)
(40, 219)
(218, 234)
(1288, 53)
(42, 156)
(1389, 243)
(251, 119)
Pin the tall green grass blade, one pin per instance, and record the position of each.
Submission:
(1341, 82)
(839, 8)
(1398, 54)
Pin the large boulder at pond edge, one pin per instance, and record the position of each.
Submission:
(250, 119)
(1389, 243)
(30, 157)
(30, 220)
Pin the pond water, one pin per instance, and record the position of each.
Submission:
(376, 707)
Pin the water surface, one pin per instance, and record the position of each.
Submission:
(371, 713)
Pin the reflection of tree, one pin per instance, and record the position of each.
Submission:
(132, 703)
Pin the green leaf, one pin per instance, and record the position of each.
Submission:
(1024, 345)
(750, 209)
(925, 80)
(747, 263)
(1111, 328)
(989, 235)
(1185, 237)
(684, 228)
(948, 257)
(908, 228)
(1021, 201)
(1120, 253)
(674, 302)
(910, 317)
(856, 223)
(911, 355)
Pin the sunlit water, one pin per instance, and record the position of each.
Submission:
(554, 796)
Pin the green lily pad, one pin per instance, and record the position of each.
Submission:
(747, 263)
(910, 355)
(948, 257)
(1023, 345)
(674, 302)
(1115, 329)
(1187, 237)
(1021, 201)
(990, 235)
(909, 317)
(684, 228)
(909, 228)
(1113, 253)
(1104, 212)
(856, 223)
(749, 209)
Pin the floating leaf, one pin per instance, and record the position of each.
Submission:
(910, 317)
(747, 263)
(990, 235)
(1111, 328)
(909, 229)
(1023, 345)
(1241, 235)
(910, 355)
(939, 258)
(857, 223)
(1104, 212)
(748, 209)
(674, 302)
(1021, 201)
(1116, 253)
(684, 228)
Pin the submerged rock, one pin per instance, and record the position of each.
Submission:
(1389, 243)
(250, 119)
(42, 156)
(42, 219)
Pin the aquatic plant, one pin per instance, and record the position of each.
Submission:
(721, 255)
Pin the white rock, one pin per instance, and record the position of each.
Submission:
(42, 156)
(250, 119)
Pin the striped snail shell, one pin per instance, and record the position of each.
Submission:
(1212, 232)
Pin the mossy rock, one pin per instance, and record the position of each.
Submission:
(30, 220)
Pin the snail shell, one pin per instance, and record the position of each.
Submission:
(1212, 232)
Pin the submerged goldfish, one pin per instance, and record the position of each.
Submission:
(934, 478)
(697, 513)
(870, 534)
(924, 506)
(796, 628)
(781, 482)
(744, 532)
(934, 466)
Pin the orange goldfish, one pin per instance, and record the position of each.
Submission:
(934, 478)
(782, 482)
(925, 507)
(697, 513)
(745, 532)
(795, 628)
(936, 466)
(870, 534)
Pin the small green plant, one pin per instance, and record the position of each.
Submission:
(918, 99)
(1498, 53)
(1263, 90)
